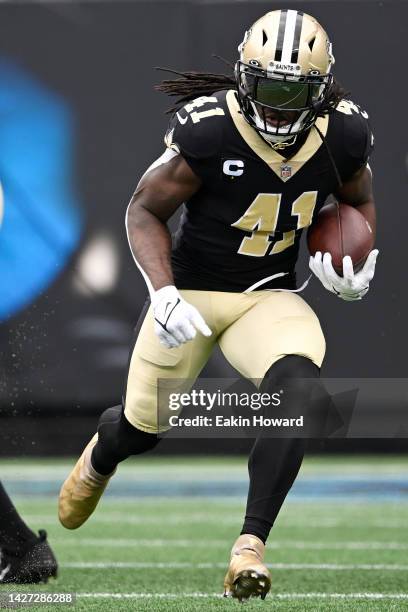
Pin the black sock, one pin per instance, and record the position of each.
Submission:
(275, 462)
(14, 533)
(273, 466)
(118, 440)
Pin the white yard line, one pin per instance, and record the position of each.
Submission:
(275, 566)
(184, 519)
(213, 471)
(198, 595)
(354, 505)
(189, 543)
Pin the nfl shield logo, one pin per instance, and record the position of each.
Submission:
(286, 172)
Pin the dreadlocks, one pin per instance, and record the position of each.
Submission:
(335, 94)
(191, 85)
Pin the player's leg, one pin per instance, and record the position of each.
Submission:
(135, 428)
(274, 462)
(118, 440)
(284, 339)
(273, 466)
(24, 556)
(14, 533)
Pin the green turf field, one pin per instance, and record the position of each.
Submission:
(168, 549)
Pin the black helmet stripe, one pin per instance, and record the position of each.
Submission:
(296, 38)
(281, 35)
(288, 39)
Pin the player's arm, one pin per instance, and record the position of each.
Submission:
(162, 190)
(357, 192)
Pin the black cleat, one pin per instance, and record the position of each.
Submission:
(37, 563)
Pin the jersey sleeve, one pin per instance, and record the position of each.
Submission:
(195, 131)
(358, 139)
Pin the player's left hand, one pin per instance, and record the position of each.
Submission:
(352, 285)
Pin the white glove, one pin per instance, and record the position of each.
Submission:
(351, 286)
(176, 320)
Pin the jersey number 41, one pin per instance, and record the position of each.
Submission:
(261, 218)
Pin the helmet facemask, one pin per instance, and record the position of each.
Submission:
(283, 75)
(279, 105)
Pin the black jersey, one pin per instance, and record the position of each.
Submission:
(245, 221)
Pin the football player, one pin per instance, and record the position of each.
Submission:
(24, 557)
(252, 159)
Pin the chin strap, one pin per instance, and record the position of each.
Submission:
(282, 145)
(279, 145)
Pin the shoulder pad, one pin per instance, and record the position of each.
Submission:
(358, 137)
(195, 130)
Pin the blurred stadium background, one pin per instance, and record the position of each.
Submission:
(79, 123)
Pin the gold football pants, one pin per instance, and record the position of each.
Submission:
(253, 331)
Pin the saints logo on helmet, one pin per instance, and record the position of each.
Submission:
(283, 74)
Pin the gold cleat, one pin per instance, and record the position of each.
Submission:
(81, 491)
(247, 576)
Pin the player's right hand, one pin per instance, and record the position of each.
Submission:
(176, 321)
(352, 285)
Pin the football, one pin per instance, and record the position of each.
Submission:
(340, 229)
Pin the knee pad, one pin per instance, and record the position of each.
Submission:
(293, 371)
(290, 367)
(110, 415)
(118, 437)
(294, 378)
